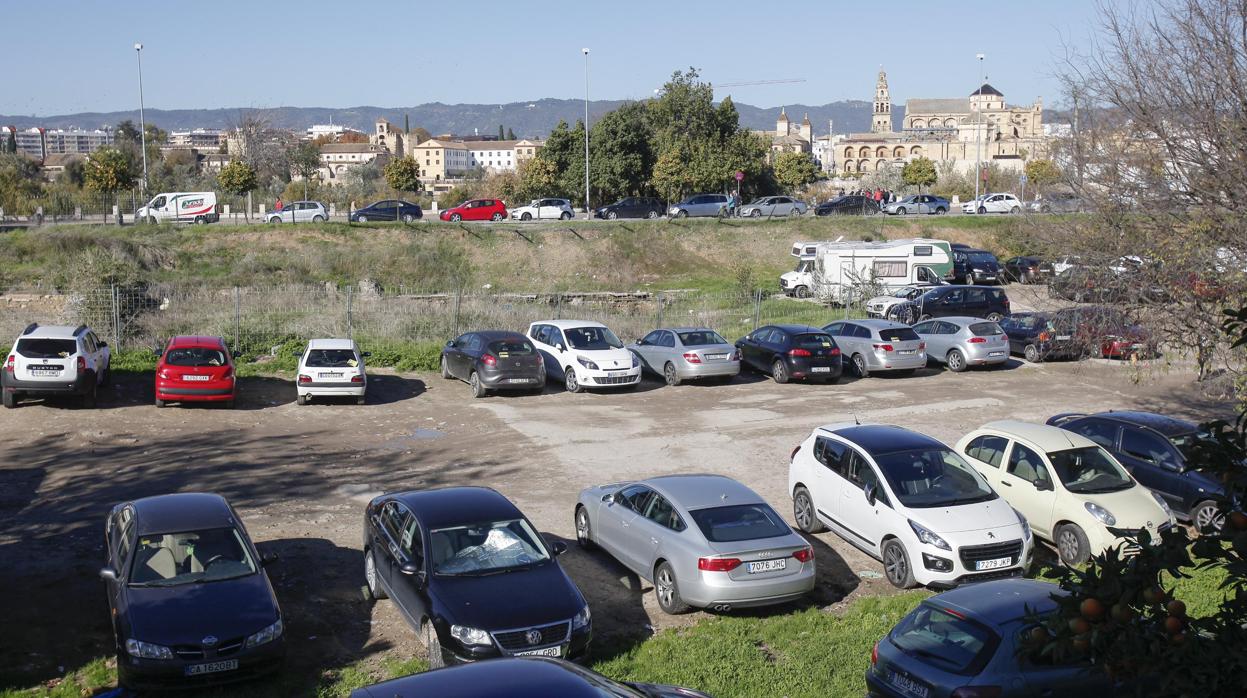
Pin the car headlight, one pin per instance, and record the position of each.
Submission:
(581, 620)
(1026, 526)
(589, 364)
(636, 361)
(1101, 514)
(147, 650)
(1163, 504)
(266, 635)
(929, 537)
(469, 636)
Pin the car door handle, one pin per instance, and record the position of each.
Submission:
(653, 540)
(625, 524)
(1006, 484)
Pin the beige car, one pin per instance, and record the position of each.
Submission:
(1069, 489)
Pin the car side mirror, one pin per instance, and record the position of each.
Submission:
(365, 354)
(558, 547)
(609, 498)
(103, 344)
(269, 559)
(559, 346)
(871, 493)
(409, 568)
(450, 343)
(108, 574)
(1042, 485)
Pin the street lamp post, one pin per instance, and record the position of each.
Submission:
(588, 213)
(138, 51)
(978, 136)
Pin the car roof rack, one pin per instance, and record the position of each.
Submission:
(79, 329)
(31, 328)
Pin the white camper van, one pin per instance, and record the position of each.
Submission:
(180, 207)
(841, 272)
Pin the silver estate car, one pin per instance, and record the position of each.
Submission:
(705, 541)
(875, 346)
(300, 212)
(687, 353)
(962, 342)
(771, 206)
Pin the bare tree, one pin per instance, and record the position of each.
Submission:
(266, 149)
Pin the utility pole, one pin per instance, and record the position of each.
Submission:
(978, 135)
(138, 51)
(588, 212)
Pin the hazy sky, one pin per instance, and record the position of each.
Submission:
(77, 55)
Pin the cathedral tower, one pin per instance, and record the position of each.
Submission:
(882, 121)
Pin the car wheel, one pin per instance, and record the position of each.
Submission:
(455, 218)
(612, 215)
(1015, 209)
(681, 214)
(370, 576)
(651, 215)
(940, 211)
(1072, 545)
(956, 361)
(995, 317)
(300, 399)
(496, 217)
(859, 366)
(896, 565)
(755, 213)
(1207, 517)
(432, 646)
(160, 403)
(565, 216)
(670, 375)
(361, 219)
(408, 218)
(526, 216)
(801, 292)
(361, 400)
(446, 369)
(151, 220)
(318, 218)
(803, 512)
(274, 220)
(10, 399)
(478, 388)
(982, 210)
(901, 211)
(584, 530)
(668, 590)
(779, 371)
(1031, 352)
(569, 376)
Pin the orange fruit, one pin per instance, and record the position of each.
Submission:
(1091, 609)
(1173, 625)
(1079, 626)
(1176, 608)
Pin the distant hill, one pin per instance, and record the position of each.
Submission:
(526, 119)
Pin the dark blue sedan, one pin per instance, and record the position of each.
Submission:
(970, 643)
(389, 210)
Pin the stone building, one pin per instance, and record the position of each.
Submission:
(389, 138)
(337, 158)
(789, 139)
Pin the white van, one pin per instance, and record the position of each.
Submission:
(841, 272)
(180, 207)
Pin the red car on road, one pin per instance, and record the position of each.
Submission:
(195, 369)
(476, 210)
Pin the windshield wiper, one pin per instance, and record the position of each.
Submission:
(917, 651)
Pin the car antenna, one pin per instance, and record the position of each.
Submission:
(855, 420)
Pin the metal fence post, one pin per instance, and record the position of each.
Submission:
(458, 302)
(116, 319)
(757, 309)
(349, 299)
(658, 320)
(237, 316)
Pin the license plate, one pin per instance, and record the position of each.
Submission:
(820, 369)
(909, 686)
(330, 375)
(995, 353)
(212, 667)
(906, 351)
(767, 565)
(616, 374)
(547, 652)
(1063, 337)
(45, 369)
(993, 564)
(716, 357)
(196, 378)
(517, 380)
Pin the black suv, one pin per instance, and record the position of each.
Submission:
(632, 207)
(986, 302)
(788, 352)
(975, 267)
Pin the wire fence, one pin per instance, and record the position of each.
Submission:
(256, 320)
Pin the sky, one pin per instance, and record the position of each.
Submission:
(394, 53)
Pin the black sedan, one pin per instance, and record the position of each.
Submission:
(855, 205)
(518, 678)
(1027, 270)
(191, 603)
(632, 207)
(472, 576)
(494, 360)
(792, 351)
(389, 210)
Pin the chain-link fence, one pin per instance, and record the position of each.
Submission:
(254, 320)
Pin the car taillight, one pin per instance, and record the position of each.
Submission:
(1006, 303)
(692, 357)
(976, 340)
(304, 378)
(736, 355)
(229, 372)
(357, 378)
(835, 351)
(717, 564)
(489, 360)
(804, 554)
(795, 449)
(922, 346)
(9, 365)
(874, 654)
(1045, 336)
(162, 374)
(798, 352)
(883, 347)
(82, 364)
(978, 692)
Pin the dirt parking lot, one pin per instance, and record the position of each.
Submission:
(300, 477)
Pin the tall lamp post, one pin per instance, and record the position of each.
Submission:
(978, 136)
(138, 51)
(588, 213)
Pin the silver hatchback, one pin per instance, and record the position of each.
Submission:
(705, 541)
(875, 346)
(962, 342)
(687, 353)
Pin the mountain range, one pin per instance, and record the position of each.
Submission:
(527, 119)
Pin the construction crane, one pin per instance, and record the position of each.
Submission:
(760, 82)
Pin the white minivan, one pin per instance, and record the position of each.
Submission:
(585, 354)
(908, 500)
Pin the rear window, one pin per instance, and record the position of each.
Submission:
(943, 640)
(986, 329)
(898, 334)
(506, 347)
(46, 348)
(811, 339)
(195, 356)
(331, 358)
(996, 295)
(701, 338)
(739, 522)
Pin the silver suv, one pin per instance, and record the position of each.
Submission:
(300, 212)
(55, 360)
(879, 345)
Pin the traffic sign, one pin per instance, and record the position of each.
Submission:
(740, 176)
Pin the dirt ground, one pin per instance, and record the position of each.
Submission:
(300, 477)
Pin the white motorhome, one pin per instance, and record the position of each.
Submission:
(180, 207)
(841, 272)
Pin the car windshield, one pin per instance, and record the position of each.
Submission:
(908, 293)
(1089, 470)
(195, 356)
(510, 347)
(933, 477)
(805, 265)
(331, 358)
(1187, 443)
(898, 334)
(485, 548)
(986, 329)
(940, 639)
(46, 348)
(701, 338)
(173, 559)
(591, 338)
(739, 522)
(981, 257)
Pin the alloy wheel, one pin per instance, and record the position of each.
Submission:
(1032, 353)
(669, 373)
(803, 511)
(895, 565)
(664, 587)
(1067, 545)
(1208, 517)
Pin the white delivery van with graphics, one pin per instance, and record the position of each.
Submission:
(180, 207)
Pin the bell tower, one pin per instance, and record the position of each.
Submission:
(882, 121)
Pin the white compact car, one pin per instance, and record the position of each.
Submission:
(993, 203)
(908, 500)
(585, 355)
(53, 360)
(1069, 488)
(332, 368)
(544, 209)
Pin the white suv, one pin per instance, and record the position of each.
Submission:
(585, 354)
(55, 360)
(908, 500)
(332, 368)
(544, 209)
(993, 203)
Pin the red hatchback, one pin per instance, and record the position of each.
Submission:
(195, 369)
(476, 210)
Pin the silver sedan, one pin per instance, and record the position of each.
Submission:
(771, 206)
(684, 353)
(962, 342)
(704, 541)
